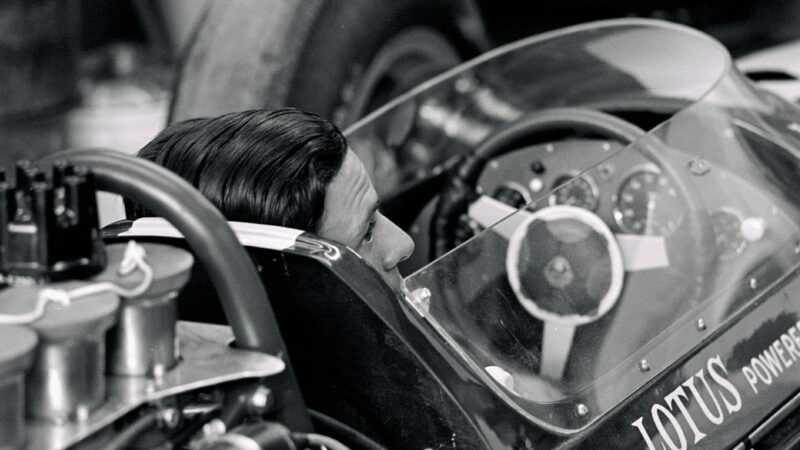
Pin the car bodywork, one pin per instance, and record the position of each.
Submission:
(697, 348)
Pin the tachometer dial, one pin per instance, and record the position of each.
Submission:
(578, 191)
(647, 203)
(727, 226)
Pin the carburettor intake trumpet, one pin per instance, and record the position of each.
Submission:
(56, 329)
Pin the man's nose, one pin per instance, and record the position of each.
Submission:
(400, 246)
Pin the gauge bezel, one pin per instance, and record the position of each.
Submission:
(617, 211)
(516, 187)
(555, 186)
(736, 213)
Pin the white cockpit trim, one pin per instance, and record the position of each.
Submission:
(249, 234)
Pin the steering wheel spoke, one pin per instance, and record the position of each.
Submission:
(556, 347)
(642, 252)
(489, 212)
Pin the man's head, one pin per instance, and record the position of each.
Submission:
(256, 166)
(284, 167)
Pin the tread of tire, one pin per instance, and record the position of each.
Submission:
(277, 38)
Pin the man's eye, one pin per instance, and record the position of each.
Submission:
(369, 234)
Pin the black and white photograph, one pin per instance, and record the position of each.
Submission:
(399, 225)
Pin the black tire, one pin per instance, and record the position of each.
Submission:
(314, 54)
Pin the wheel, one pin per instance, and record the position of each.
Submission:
(338, 59)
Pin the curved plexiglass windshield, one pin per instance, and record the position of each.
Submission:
(629, 194)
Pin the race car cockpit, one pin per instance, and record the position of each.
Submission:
(626, 200)
(607, 229)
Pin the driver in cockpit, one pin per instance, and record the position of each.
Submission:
(284, 167)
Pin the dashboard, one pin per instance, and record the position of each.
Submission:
(625, 189)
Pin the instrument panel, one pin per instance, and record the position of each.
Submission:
(625, 189)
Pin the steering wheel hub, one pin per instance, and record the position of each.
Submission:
(558, 272)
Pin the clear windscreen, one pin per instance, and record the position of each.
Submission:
(617, 66)
(593, 255)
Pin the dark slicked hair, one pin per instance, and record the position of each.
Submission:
(270, 167)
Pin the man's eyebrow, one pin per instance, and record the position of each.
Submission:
(376, 206)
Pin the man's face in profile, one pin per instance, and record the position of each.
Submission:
(351, 217)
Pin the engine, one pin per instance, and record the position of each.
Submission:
(93, 354)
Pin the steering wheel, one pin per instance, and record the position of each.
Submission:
(459, 191)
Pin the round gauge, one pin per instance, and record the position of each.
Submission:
(727, 226)
(579, 191)
(512, 195)
(648, 204)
